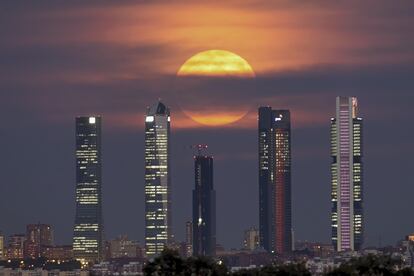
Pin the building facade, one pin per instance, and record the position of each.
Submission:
(158, 229)
(59, 252)
(204, 207)
(189, 239)
(346, 176)
(251, 239)
(122, 247)
(38, 237)
(2, 252)
(88, 229)
(15, 248)
(275, 215)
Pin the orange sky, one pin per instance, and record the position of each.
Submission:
(145, 40)
(271, 37)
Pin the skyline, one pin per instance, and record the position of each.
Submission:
(95, 63)
(155, 107)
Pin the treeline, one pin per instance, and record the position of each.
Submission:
(170, 263)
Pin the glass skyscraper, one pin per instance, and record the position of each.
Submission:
(275, 215)
(204, 207)
(346, 176)
(88, 230)
(157, 180)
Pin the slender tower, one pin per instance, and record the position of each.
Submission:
(275, 215)
(2, 253)
(189, 238)
(157, 180)
(88, 230)
(204, 206)
(346, 176)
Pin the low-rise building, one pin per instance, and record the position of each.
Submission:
(251, 239)
(38, 237)
(40, 272)
(60, 252)
(122, 247)
(15, 249)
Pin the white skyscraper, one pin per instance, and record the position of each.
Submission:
(157, 179)
(346, 172)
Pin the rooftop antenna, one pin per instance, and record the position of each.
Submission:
(199, 148)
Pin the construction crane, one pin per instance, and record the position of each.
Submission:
(199, 148)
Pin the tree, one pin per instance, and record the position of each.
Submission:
(204, 266)
(371, 265)
(168, 263)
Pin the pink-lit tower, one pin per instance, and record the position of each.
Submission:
(346, 176)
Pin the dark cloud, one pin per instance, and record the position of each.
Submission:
(79, 63)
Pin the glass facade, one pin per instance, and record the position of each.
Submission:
(346, 176)
(157, 180)
(204, 207)
(275, 215)
(88, 229)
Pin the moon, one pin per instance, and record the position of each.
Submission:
(216, 64)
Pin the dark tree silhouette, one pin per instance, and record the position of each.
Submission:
(372, 265)
(168, 263)
(204, 266)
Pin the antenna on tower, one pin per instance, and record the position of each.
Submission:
(199, 148)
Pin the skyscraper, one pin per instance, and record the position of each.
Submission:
(157, 179)
(275, 215)
(346, 176)
(204, 207)
(88, 230)
(38, 237)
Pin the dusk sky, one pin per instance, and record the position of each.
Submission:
(62, 59)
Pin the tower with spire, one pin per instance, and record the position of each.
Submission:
(157, 179)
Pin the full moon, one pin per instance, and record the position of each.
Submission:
(209, 66)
